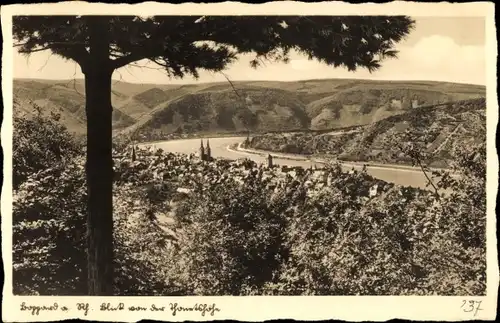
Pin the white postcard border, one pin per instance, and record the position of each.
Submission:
(258, 308)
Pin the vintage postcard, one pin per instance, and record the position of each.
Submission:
(286, 160)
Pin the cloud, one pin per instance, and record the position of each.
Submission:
(435, 57)
(433, 51)
(440, 58)
(438, 50)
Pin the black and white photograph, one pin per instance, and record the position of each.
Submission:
(208, 155)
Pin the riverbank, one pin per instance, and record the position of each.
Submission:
(227, 148)
(265, 153)
(228, 135)
(329, 131)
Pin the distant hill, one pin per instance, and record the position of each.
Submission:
(438, 129)
(66, 98)
(156, 110)
(217, 109)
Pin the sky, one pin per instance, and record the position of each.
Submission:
(450, 49)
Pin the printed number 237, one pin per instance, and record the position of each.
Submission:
(471, 306)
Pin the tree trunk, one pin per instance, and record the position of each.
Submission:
(98, 73)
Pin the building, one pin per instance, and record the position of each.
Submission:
(205, 153)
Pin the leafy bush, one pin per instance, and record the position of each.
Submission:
(39, 142)
(142, 249)
(49, 232)
(49, 228)
(49, 236)
(233, 239)
(183, 226)
(459, 246)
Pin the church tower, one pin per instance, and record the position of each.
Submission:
(269, 161)
(133, 153)
(208, 152)
(202, 151)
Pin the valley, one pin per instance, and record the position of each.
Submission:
(149, 112)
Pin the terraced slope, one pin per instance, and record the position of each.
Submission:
(436, 129)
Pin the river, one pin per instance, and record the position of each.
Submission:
(220, 149)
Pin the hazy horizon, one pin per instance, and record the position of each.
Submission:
(249, 81)
(440, 49)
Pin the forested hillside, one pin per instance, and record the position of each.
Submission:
(433, 130)
(155, 111)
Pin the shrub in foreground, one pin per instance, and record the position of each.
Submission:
(40, 142)
(245, 230)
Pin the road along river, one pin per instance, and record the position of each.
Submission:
(221, 148)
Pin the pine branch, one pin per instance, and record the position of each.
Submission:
(29, 51)
(426, 176)
(46, 62)
(419, 162)
(232, 85)
(125, 60)
(48, 44)
(235, 91)
(146, 67)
